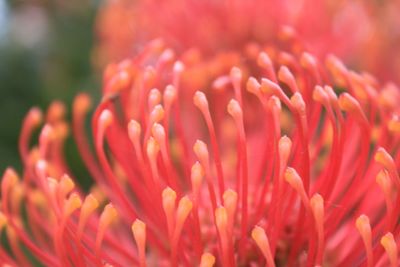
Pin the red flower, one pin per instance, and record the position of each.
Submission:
(280, 159)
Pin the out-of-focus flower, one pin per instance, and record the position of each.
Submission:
(268, 165)
(364, 33)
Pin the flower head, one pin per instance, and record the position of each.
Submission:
(231, 157)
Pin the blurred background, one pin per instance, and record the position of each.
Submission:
(45, 54)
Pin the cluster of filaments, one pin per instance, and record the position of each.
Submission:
(295, 175)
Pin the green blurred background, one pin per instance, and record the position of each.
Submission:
(45, 54)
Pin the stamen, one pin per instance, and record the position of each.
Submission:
(286, 76)
(55, 112)
(169, 203)
(154, 98)
(107, 217)
(207, 260)
(31, 121)
(309, 62)
(169, 96)
(197, 174)
(236, 76)
(230, 203)
(119, 81)
(260, 237)
(285, 147)
(351, 105)
(90, 204)
(384, 158)
(337, 69)
(157, 114)
(201, 151)
(293, 178)
(317, 208)
(201, 103)
(390, 246)
(65, 185)
(139, 233)
(73, 203)
(178, 69)
(383, 180)
(221, 221)
(264, 61)
(394, 124)
(269, 87)
(364, 228)
(254, 87)
(184, 208)
(235, 110)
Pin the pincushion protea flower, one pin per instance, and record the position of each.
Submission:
(280, 160)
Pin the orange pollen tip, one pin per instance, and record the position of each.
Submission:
(3, 221)
(134, 130)
(236, 75)
(274, 103)
(207, 260)
(90, 204)
(269, 87)
(52, 184)
(158, 133)
(149, 76)
(320, 95)
(35, 116)
(139, 232)
(286, 76)
(197, 174)
(105, 118)
(389, 244)
(308, 61)
(108, 215)
(394, 124)
(260, 237)
(253, 86)
(66, 184)
(235, 110)
(293, 178)
(55, 112)
(47, 133)
(230, 199)
(154, 98)
(383, 157)
(221, 218)
(157, 114)
(184, 208)
(264, 61)
(285, 146)
(331, 93)
(348, 103)
(152, 148)
(170, 94)
(298, 103)
(73, 203)
(363, 226)
(221, 82)
(317, 207)
(179, 67)
(10, 178)
(201, 151)
(168, 200)
(200, 101)
(383, 180)
(167, 55)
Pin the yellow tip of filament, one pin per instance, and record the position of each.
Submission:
(207, 260)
